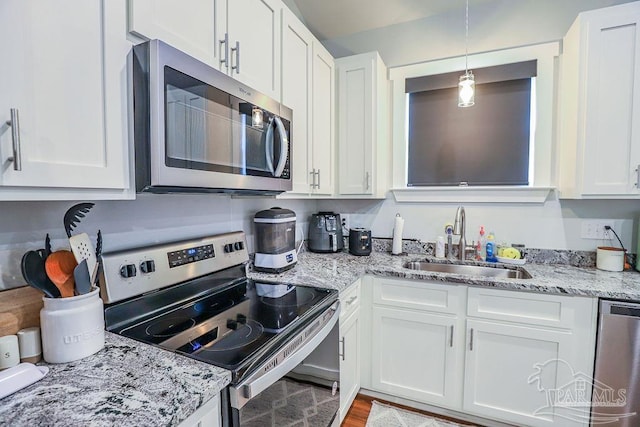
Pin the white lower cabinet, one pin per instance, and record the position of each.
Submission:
(502, 355)
(349, 348)
(511, 372)
(208, 415)
(415, 356)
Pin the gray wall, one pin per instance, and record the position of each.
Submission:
(493, 25)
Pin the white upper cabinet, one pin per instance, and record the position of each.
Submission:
(363, 126)
(323, 123)
(64, 76)
(239, 37)
(197, 29)
(599, 137)
(253, 28)
(308, 86)
(297, 66)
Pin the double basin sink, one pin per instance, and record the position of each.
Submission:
(499, 271)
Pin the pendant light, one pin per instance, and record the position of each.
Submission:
(467, 84)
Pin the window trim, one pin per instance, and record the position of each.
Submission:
(543, 163)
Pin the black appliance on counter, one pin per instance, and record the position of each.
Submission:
(193, 297)
(359, 241)
(325, 232)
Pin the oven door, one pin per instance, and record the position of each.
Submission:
(297, 386)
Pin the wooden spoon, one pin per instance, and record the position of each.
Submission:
(59, 267)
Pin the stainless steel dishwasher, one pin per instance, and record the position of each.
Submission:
(616, 386)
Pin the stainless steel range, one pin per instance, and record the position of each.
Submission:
(192, 297)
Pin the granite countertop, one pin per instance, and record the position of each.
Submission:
(341, 269)
(131, 383)
(125, 383)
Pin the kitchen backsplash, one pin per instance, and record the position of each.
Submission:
(533, 255)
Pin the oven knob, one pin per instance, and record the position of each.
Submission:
(128, 271)
(238, 246)
(242, 319)
(228, 248)
(148, 266)
(232, 324)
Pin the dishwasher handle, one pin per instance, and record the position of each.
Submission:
(616, 308)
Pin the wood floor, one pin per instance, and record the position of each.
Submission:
(359, 411)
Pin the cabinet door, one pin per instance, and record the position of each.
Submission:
(196, 29)
(323, 119)
(612, 102)
(356, 129)
(254, 37)
(416, 356)
(53, 75)
(297, 55)
(512, 372)
(349, 362)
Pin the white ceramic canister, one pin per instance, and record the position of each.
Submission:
(72, 328)
(609, 258)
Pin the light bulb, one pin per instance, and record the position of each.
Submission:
(466, 90)
(256, 118)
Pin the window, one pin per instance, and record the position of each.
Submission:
(488, 144)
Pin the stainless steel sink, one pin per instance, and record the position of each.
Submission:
(470, 270)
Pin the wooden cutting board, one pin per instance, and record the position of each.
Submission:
(19, 308)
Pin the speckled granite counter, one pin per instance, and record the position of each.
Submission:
(342, 269)
(126, 383)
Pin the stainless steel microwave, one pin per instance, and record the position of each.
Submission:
(196, 129)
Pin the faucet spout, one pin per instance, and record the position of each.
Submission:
(459, 228)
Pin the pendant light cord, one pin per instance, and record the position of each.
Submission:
(466, 39)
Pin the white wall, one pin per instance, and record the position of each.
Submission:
(494, 25)
(552, 225)
(152, 218)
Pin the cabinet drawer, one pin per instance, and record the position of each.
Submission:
(529, 308)
(419, 295)
(350, 300)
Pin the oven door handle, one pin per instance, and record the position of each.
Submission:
(258, 382)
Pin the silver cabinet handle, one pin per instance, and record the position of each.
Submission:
(451, 337)
(638, 176)
(237, 51)
(224, 60)
(15, 137)
(318, 173)
(313, 178)
(367, 178)
(351, 300)
(471, 339)
(342, 354)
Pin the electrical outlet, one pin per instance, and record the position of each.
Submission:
(594, 229)
(346, 223)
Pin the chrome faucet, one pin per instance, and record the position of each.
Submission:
(459, 229)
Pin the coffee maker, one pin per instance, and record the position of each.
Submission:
(275, 240)
(325, 232)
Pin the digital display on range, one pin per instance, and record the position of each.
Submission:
(189, 255)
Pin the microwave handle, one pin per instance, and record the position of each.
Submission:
(268, 147)
(284, 147)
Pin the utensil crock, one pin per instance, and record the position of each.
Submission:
(72, 328)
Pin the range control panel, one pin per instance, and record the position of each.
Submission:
(185, 256)
(132, 272)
